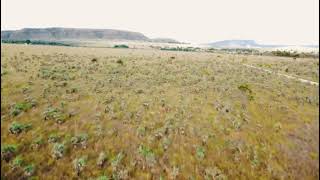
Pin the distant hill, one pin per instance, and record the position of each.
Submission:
(56, 34)
(251, 44)
(239, 44)
(165, 40)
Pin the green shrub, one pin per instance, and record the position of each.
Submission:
(119, 61)
(55, 114)
(200, 152)
(29, 170)
(166, 143)
(3, 71)
(38, 42)
(121, 46)
(79, 164)
(8, 151)
(17, 128)
(141, 131)
(79, 140)
(244, 87)
(53, 138)
(58, 150)
(37, 143)
(17, 162)
(20, 107)
(148, 154)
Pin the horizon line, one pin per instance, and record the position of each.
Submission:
(213, 41)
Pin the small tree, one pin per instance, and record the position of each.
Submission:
(28, 41)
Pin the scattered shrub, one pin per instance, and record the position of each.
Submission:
(58, 150)
(20, 107)
(37, 143)
(115, 162)
(55, 114)
(29, 170)
(277, 126)
(8, 151)
(166, 143)
(148, 154)
(200, 152)
(141, 131)
(79, 164)
(245, 88)
(121, 46)
(17, 128)
(187, 49)
(3, 71)
(119, 61)
(79, 140)
(53, 138)
(38, 42)
(17, 162)
(101, 159)
(214, 173)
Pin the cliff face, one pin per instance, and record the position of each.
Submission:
(71, 34)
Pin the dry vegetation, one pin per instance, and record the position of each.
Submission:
(99, 113)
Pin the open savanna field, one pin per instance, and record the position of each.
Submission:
(107, 113)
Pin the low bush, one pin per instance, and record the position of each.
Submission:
(79, 164)
(8, 151)
(17, 128)
(121, 46)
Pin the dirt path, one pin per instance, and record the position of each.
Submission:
(284, 75)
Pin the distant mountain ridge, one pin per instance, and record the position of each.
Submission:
(165, 40)
(249, 44)
(62, 34)
(239, 44)
(71, 34)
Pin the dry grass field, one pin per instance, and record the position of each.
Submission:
(105, 113)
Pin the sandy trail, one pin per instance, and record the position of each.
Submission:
(284, 75)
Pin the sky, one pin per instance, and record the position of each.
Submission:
(294, 22)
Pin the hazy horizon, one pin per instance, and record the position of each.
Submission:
(270, 22)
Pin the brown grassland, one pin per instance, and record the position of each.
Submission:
(105, 113)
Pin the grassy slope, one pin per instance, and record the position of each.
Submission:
(186, 101)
